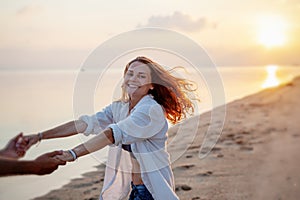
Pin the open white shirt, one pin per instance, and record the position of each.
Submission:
(145, 128)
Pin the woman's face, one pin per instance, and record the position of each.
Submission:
(137, 80)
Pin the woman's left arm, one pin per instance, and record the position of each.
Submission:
(94, 144)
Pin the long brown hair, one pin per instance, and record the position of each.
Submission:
(172, 93)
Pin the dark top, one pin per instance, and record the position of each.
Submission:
(127, 147)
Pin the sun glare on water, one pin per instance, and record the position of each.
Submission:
(272, 80)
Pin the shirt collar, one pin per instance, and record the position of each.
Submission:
(141, 101)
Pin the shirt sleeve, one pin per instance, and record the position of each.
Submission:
(98, 122)
(143, 123)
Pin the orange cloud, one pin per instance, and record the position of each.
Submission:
(179, 21)
(30, 10)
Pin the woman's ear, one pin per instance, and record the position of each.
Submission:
(151, 87)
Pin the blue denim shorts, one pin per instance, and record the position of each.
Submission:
(139, 192)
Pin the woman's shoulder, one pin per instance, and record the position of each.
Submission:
(148, 103)
(118, 104)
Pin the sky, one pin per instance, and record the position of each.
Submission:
(60, 34)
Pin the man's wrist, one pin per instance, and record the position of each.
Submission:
(25, 167)
(8, 155)
(2, 153)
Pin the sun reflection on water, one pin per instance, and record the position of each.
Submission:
(272, 79)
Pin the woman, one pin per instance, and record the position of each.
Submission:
(135, 128)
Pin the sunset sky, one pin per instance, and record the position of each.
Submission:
(60, 34)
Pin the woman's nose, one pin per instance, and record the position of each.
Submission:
(133, 77)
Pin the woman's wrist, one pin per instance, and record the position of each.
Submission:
(40, 136)
(73, 154)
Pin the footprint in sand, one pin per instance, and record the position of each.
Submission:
(183, 187)
(92, 198)
(195, 198)
(216, 149)
(230, 135)
(246, 148)
(87, 192)
(194, 147)
(188, 166)
(208, 173)
(220, 155)
(240, 141)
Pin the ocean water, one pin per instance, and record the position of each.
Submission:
(33, 101)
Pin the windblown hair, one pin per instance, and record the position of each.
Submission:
(174, 94)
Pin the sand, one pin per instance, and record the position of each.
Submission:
(256, 157)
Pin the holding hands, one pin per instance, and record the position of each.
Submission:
(47, 163)
(32, 139)
(20, 144)
(15, 148)
(67, 156)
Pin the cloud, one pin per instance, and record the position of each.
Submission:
(29, 10)
(179, 21)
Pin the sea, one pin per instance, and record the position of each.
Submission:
(34, 100)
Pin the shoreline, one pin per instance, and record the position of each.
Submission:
(255, 157)
(89, 184)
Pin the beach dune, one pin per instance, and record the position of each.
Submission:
(256, 157)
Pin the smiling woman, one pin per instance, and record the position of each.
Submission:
(272, 31)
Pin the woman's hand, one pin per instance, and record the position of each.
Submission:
(65, 156)
(29, 140)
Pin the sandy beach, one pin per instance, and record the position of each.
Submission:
(256, 157)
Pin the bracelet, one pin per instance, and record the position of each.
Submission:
(73, 154)
(40, 136)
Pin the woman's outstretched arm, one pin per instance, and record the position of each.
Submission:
(64, 130)
(94, 144)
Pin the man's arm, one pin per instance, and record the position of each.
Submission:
(44, 164)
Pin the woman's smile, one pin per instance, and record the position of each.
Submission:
(133, 86)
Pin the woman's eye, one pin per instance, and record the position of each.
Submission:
(129, 74)
(142, 76)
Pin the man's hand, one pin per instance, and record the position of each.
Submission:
(47, 163)
(15, 148)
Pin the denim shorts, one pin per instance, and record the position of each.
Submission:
(139, 192)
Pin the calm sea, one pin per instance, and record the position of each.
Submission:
(33, 101)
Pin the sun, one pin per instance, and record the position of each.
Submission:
(272, 31)
(271, 80)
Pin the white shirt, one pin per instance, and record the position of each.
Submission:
(145, 128)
